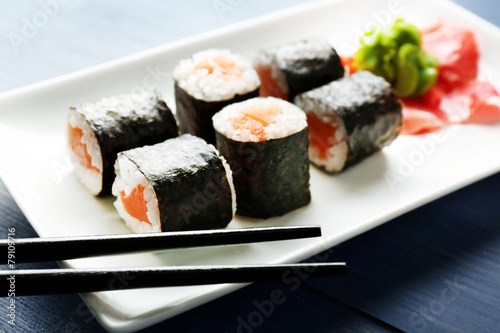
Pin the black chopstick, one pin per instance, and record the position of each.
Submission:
(61, 281)
(62, 248)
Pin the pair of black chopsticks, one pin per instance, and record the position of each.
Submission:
(69, 280)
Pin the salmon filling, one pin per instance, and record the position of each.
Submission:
(256, 119)
(322, 135)
(269, 85)
(79, 148)
(135, 204)
(220, 64)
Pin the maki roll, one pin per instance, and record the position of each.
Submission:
(178, 184)
(265, 140)
(97, 131)
(289, 69)
(349, 119)
(207, 82)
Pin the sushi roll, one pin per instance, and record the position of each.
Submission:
(97, 131)
(289, 69)
(205, 83)
(350, 119)
(265, 141)
(179, 184)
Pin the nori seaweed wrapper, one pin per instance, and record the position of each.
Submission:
(195, 115)
(368, 106)
(271, 178)
(127, 121)
(305, 64)
(190, 182)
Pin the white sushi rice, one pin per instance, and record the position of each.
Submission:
(229, 175)
(291, 119)
(210, 87)
(90, 178)
(128, 177)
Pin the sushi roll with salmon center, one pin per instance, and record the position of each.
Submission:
(288, 69)
(208, 81)
(179, 184)
(98, 131)
(265, 141)
(350, 119)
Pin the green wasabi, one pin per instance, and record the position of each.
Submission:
(395, 54)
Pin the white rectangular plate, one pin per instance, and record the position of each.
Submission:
(409, 173)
